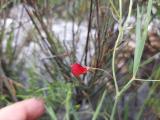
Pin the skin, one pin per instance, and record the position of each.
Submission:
(30, 109)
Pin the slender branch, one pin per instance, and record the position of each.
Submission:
(114, 9)
(98, 34)
(118, 96)
(101, 70)
(120, 9)
(120, 35)
(129, 12)
(147, 80)
(113, 58)
(114, 108)
(99, 106)
(89, 29)
(126, 86)
(115, 47)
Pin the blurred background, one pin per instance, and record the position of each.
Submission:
(40, 39)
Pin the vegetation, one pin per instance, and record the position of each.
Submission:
(118, 39)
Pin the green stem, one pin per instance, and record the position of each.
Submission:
(118, 97)
(68, 98)
(129, 12)
(147, 80)
(101, 70)
(120, 35)
(114, 8)
(121, 93)
(113, 58)
(126, 86)
(114, 107)
(120, 9)
(154, 86)
(99, 106)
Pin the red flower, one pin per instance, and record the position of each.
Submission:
(77, 69)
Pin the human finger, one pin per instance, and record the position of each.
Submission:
(30, 109)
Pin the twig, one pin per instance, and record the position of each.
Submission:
(89, 29)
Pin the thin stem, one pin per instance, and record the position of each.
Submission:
(147, 80)
(115, 18)
(101, 70)
(99, 106)
(114, 107)
(115, 47)
(120, 35)
(113, 58)
(118, 97)
(126, 86)
(114, 9)
(68, 98)
(88, 33)
(120, 9)
(153, 87)
(129, 12)
(150, 59)
(122, 91)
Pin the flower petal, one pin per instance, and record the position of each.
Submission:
(77, 69)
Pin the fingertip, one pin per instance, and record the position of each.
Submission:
(34, 108)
